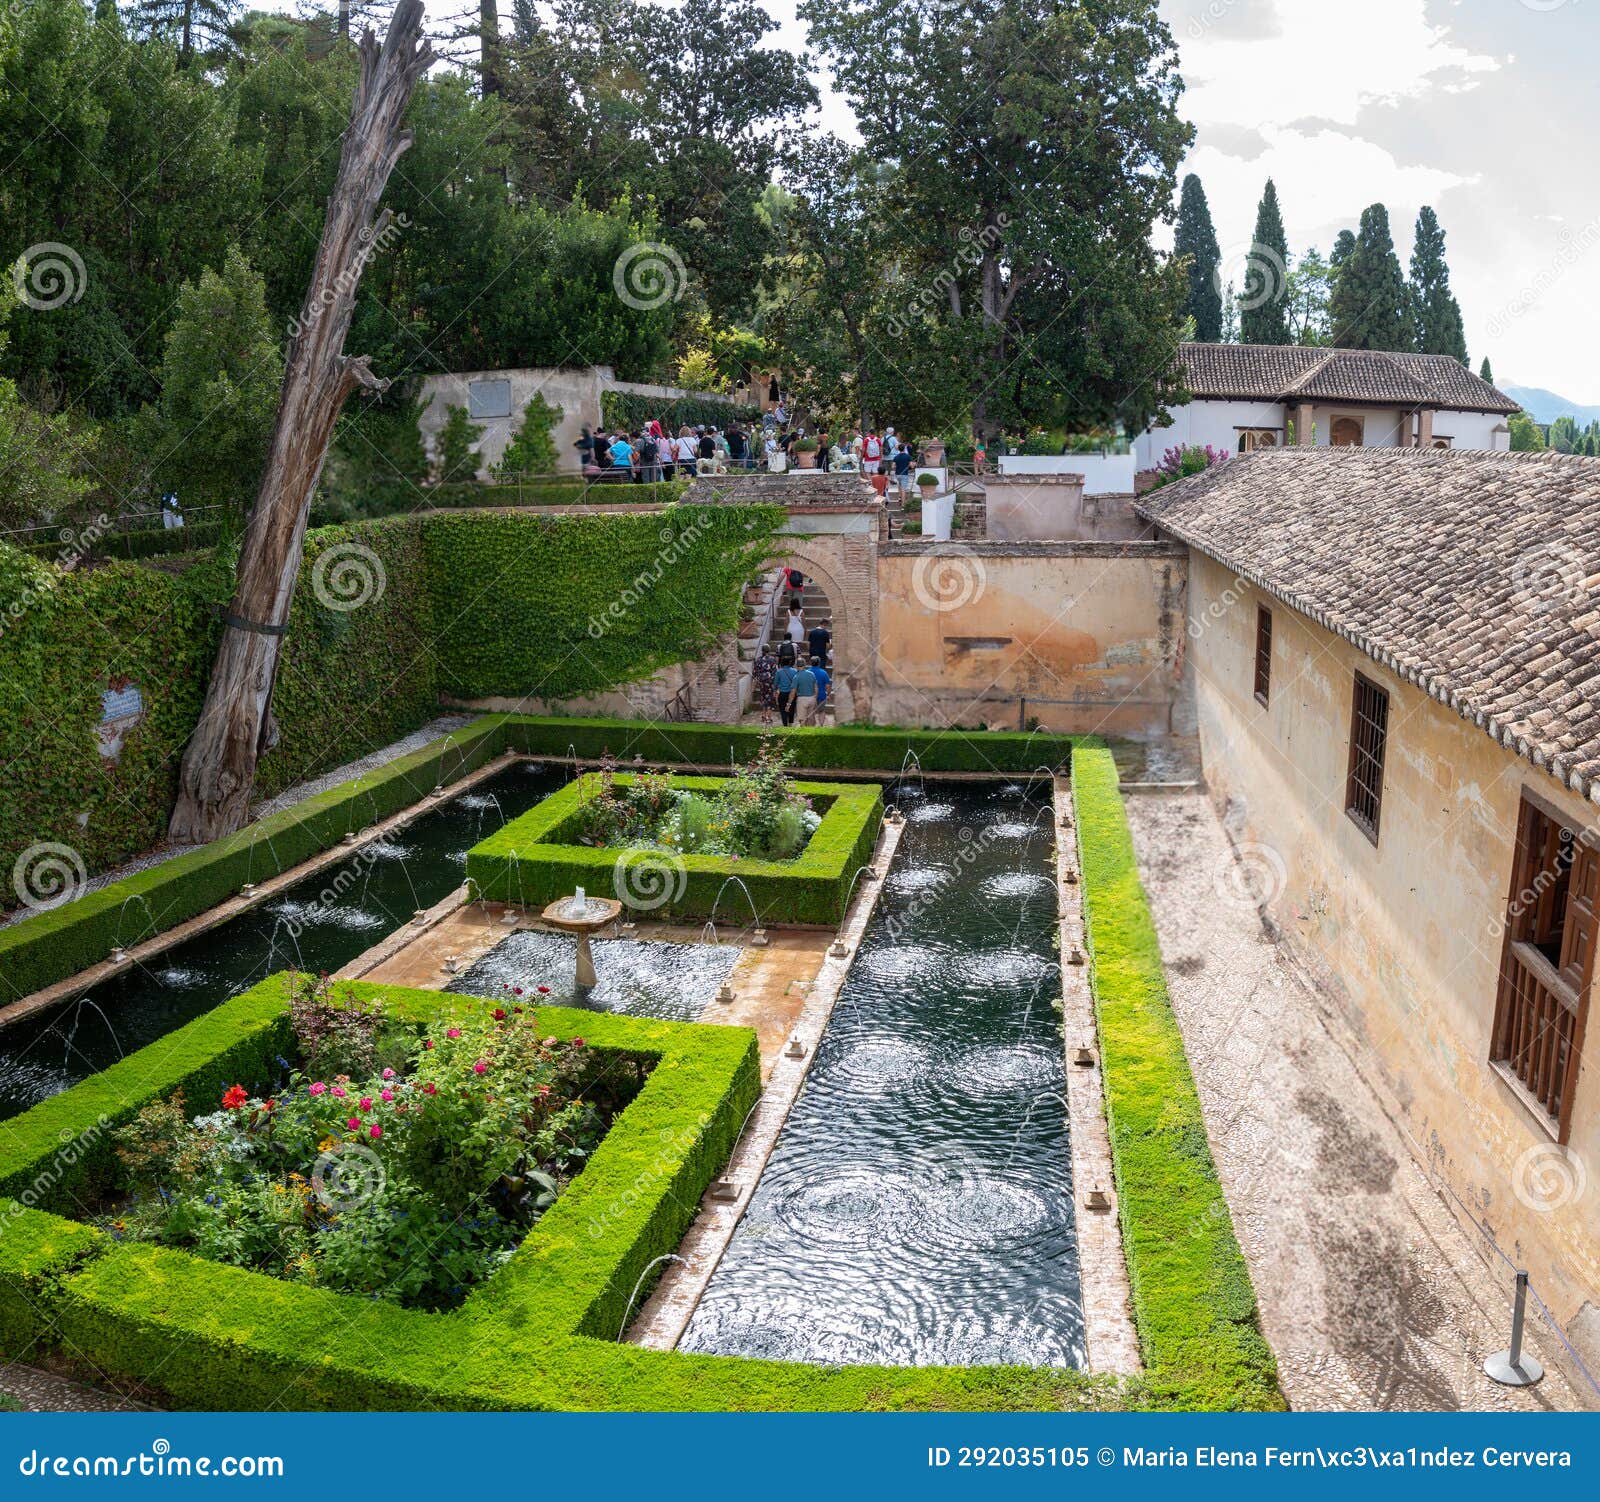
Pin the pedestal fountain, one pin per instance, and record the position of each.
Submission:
(582, 915)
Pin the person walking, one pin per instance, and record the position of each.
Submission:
(817, 640)
(783, 682)
(871, 453)
(797, 623)
(805, 696)
(622, 457)
(902, 470)
(824, 678)
(738, 447)
(762, 673)
(688, 456)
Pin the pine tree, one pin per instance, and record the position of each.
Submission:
(1343, 248)
(1262, 315)
(1438, 316)
(1197, 239)
(1484, 372)
(197, 28)
(1370, 300)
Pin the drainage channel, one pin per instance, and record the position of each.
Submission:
(918, 1208)
(319, 923)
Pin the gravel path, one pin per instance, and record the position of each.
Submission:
(1371, 1293)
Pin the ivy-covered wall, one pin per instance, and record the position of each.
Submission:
(563, 606)
(470, 604)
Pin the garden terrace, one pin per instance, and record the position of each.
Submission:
(536, 859)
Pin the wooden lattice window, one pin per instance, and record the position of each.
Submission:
(1263, 654)
(1369, 734)
(1547, 962)
(1345, 432)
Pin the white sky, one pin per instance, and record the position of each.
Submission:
(1485, 109)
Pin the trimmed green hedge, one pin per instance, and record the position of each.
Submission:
(1192, 1299)
(52, 945)
(560, 606)
(540, 1334)
(556, 491)
(527, 861)
(816, 748)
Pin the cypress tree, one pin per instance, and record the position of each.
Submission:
(1371, 304)
(1196, 239)
(1343, 248)
(1438, 315)
(1484, 371)
(1263, 317)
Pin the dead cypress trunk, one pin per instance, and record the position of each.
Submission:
(236, 724)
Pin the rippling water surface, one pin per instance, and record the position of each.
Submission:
(918, 1206)
(415, 867)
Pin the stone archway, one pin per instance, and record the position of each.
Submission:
(844, 566)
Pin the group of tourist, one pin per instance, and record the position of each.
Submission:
(797, 679)
(654, 454)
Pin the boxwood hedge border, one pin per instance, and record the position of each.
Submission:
(1193, 1303)
(534, 859)
(540, 1334)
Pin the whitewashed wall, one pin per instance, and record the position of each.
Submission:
(1103, 474)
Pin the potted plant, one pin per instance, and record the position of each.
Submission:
(805, 452)
(928, 484)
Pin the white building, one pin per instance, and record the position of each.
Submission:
(1255, 396)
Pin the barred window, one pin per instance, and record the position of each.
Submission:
(1263, 654)
(1369, 734)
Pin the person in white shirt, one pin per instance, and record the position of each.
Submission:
(688, 448)
(797, 623)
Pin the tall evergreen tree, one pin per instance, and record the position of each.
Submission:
(1344, 246)
(1438, 316)
(1196, 239)
(202, 29)
(1371, 304)
(1263, 316)
(1485, 373)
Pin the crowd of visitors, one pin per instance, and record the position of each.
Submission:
(797, 679)
(653, 454)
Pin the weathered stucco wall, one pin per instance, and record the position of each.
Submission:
(1082, 636)
(1408, 934)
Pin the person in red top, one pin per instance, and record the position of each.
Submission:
(871, 453)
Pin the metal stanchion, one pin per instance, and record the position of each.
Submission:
(1513, 1367)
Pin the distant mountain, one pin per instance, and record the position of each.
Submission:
(1546, 406)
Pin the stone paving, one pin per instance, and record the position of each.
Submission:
(1371, 1293)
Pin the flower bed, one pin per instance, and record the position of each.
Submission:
(389, 1162)
(539, 857)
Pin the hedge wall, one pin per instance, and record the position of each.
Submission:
(1192, 1300)
(49, 946)
(561, 606)
(630, 410)
(816, 748)
(536, 858)
(540, 1334)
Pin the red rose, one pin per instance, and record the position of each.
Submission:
(234, 1097)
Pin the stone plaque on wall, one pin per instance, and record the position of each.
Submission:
(486, 399)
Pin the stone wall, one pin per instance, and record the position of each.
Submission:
(1404, 935)
(1083, 637)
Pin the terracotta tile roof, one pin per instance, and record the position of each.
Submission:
(1290, 372)
(1474, 575)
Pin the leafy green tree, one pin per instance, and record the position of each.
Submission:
(1306, 302)
(1485, 372)
(1564, 434)
(1439, 329)
(1263, 318)
(1370, 307)
(42, 458)
(1195, 240)
(219, 387)
(1344, 245)
(1034, 148)
(202, 30)
(1525, 435)
(532, 450)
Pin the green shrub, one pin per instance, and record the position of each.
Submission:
(536, 859)
(457, 460)
(532, 451)
(1192, 1300)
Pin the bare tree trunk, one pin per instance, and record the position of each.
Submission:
(489, 42)
(236, 724)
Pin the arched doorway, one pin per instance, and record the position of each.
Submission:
(824, 601)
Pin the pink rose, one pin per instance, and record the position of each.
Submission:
(427, 1042)
(366, 1102)
(375, 1131)
(480, 1067)
(339, 1091)
(430, 1088)
(353, 1123)
(388, 1074)
(319, 1088)
(386, 1094)
(452, 1032)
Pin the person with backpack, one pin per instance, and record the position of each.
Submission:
(783, 682)
(902, 469)
(871, 453)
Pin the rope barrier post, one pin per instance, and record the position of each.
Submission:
(1513, 1367)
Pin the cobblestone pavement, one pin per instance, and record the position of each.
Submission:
(1371, 1293)
(44, 1392)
